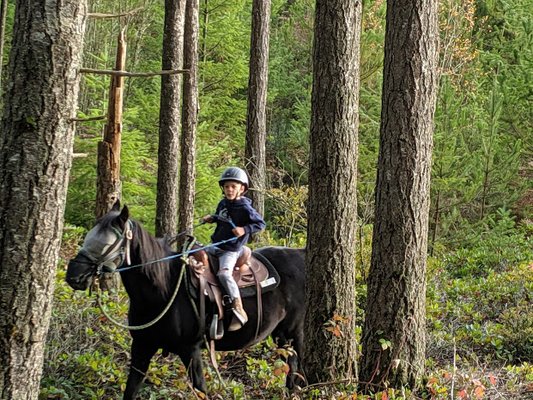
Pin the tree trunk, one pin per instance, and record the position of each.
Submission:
(255, 152)
(204, 30)
(332, 208)
(3, 15)
(169, 121)
(394, 331)
(35, 158)
(108, 185)
(189, 118)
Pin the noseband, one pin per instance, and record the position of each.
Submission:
(119, 250)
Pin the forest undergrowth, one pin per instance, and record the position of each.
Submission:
(479, 337)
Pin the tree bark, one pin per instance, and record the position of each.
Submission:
(394, 331)
(332, 208)
(169, 121)
(204, 30)
(255, 149)
(189, 118)
(3, 15)
(35, 158)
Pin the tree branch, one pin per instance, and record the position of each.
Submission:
(132, 74)
(126, 14)
(97, 118)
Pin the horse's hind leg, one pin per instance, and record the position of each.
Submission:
(192, 359)
(296, 376)
(141, 354)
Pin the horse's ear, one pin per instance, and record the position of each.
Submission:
(124, 215)
(116, 206)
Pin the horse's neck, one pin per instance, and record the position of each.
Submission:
(149, 281)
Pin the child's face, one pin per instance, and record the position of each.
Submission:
(232, 190)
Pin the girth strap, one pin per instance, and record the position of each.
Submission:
(259, 304)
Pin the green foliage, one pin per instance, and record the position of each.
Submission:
(494, 244)
(475, 161)
(138, 174)
(289, 94)
(469, 380)
(489, 314)
(224, 45)
(479, 281)
(287, 215)
(482, 151)
(71, 370)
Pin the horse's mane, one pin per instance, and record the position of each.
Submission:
(147, 248)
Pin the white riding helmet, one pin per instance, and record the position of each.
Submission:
(234, 174)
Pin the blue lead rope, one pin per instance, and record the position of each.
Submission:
(122, 269)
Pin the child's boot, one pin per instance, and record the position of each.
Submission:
(239, 315)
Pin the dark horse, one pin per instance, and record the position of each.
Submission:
(117, 241)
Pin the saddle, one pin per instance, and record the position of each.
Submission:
(253, 277)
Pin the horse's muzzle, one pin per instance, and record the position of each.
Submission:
(78, 280)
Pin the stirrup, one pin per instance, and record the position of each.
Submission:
(237, 321)
(241, 318)
(235, 324)
(216, 330)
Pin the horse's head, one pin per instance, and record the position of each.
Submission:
(104, 249)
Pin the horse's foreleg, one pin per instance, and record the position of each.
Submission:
(192, 359)
(295, 377)
(141, 354)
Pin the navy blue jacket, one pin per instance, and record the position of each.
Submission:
(230, 214)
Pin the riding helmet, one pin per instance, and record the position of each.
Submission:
(234, 174)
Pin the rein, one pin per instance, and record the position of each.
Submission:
(185, 253)
(148, 324)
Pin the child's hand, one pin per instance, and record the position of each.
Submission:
(238, 231)
(206, 219)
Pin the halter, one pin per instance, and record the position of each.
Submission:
(120, 250)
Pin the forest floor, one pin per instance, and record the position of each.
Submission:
(480, 346)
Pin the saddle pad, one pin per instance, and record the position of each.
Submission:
(258, 267)
(268, 284)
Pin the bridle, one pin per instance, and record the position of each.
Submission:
(116, 254)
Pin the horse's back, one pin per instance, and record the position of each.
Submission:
(290, 265)
(288, 262)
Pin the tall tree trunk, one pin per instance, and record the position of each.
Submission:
(169, 121)
(189, 118)
(3, 15)
(394, 331)
(332, 209)
(35, 159)
(204, 30)
(108, 185)
(255, 152)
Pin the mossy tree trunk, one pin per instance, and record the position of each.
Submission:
(189, 118)
(330, 344)
(170, 121)
(255, 152)
(35, 158)
(394, 331)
